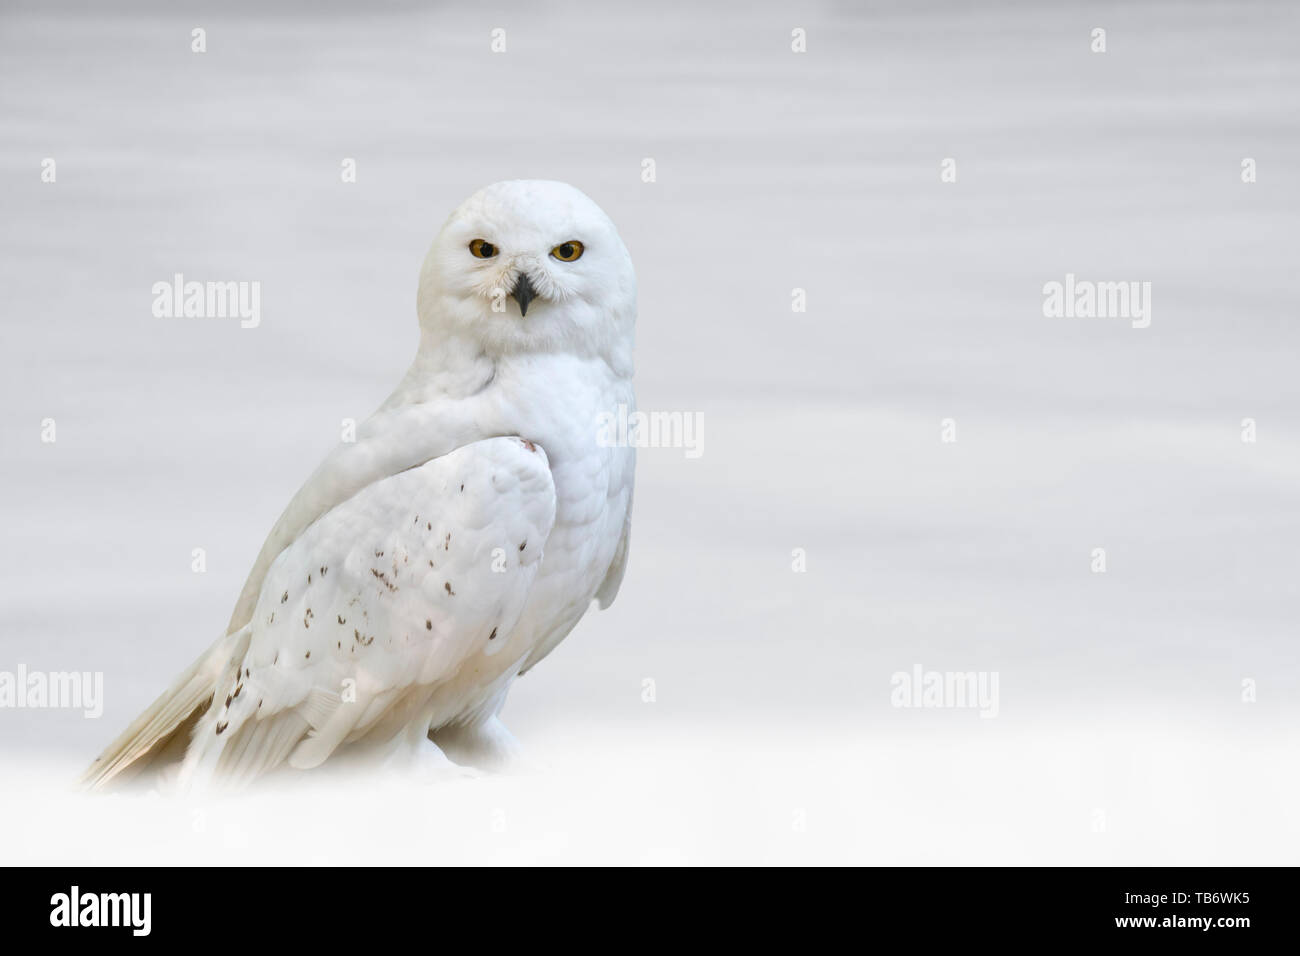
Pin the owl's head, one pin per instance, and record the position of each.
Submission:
(529, 266)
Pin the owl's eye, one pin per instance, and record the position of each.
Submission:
(482, 249)
(568, 251)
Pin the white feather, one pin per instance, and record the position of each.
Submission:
(422, 568)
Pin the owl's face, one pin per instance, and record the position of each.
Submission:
(530, 265)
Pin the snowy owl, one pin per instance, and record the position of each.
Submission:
(454, 544)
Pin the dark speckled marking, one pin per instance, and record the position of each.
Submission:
(428, 625)
(284, 597)
(493, 635)
(447, 585)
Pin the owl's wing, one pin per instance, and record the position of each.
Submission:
(375, 602)
(393, 439)
(396, 438)
(381, 598)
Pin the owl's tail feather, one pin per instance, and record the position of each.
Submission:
(163, 729)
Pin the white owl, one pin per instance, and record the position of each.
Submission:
(424, 567)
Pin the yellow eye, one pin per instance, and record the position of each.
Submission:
(568, 251)
(482, 249)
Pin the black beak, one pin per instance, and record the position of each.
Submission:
(523, 293)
